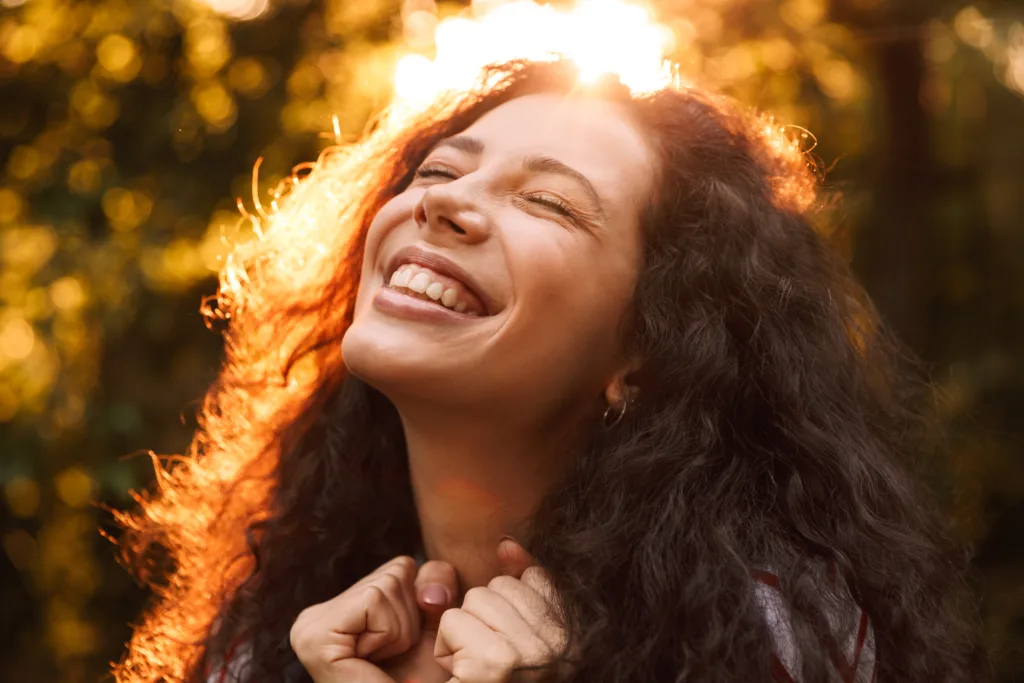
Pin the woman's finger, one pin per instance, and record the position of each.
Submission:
(537, 579)
(437, 589)
(533, 606)
(499, 615)
(373, 620)
(513, 558)
(471, 652)
(405, 622)
(381, 629)
(404, 597)
(403, 561)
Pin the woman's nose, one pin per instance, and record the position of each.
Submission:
(447, 210)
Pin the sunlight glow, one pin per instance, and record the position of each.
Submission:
(601, 36)
(241, 10)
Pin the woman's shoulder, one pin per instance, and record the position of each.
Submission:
(851, 642)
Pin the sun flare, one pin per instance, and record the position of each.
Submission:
(601, 36)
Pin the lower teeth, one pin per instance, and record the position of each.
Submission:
(419, 295)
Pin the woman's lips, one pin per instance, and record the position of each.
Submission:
(432, 286)
(395, 303)
(420, 255)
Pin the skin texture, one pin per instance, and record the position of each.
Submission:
(489, 406)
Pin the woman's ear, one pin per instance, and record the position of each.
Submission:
(621, 387)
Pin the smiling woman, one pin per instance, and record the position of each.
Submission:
(582, 353)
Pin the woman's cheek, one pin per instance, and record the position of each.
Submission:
(558, 289)
(389, 219)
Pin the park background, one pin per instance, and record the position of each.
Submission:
(128, 129)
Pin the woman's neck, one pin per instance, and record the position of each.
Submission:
(473, 486)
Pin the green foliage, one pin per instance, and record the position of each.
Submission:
(128, 129)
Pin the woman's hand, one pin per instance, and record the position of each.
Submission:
(502, 627)
(343, 639)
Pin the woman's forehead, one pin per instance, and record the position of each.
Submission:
(555, 121)
(596, 137)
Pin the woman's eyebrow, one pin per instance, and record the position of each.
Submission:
(533, 164)
(543, 164)
(464, 143)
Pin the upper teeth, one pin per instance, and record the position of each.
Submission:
(422, 281)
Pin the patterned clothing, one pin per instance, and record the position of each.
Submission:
(851, 662)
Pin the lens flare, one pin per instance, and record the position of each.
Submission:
(601, 36)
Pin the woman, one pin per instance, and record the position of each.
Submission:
(598, 331)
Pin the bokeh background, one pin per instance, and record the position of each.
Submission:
(128, 129)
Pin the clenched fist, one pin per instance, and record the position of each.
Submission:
(502, 628)
(347, 638)
(400, 623)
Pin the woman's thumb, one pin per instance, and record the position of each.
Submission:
(437, 589)
(513, 558)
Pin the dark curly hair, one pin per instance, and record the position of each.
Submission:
(776, 427)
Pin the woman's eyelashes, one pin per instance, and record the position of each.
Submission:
(549, 201)
(435, 171)
(555, 204)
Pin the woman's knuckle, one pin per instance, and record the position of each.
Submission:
(375, 597)
(389, 583)
(502, 583)
(301, 618)
(533, 574)
(298, 638)
(447, 619)
(405, 563)
(475, 596)
(301, 626)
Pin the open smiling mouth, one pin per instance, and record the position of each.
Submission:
(425, 284)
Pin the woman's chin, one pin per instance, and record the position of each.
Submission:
(396, 363)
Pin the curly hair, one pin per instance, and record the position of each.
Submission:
(776, 428)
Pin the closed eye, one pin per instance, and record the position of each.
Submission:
(547, 200)
(435, 171)
(555, 204)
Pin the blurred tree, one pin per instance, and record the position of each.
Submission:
(128, 128)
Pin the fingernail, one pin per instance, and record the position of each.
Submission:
(435, 594)
(506, 537)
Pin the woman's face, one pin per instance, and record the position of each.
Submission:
(497, 282)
